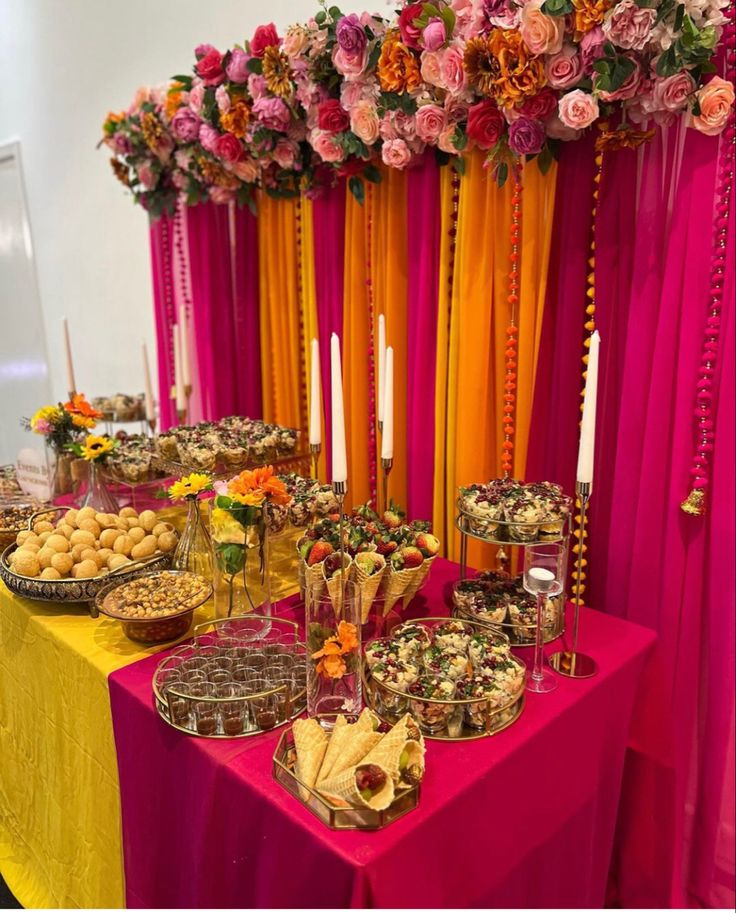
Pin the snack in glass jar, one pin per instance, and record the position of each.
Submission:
(483, 507)
(523, 614)
(465, 592)
(398, 675)
(431, 717)
(446, 662)
(380, 651)
(482, 686)
(411, 639)
(507, 673)
(453, 634)
(483, 645)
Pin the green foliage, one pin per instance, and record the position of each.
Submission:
(357, 188)
(230, 557)
(557, 7)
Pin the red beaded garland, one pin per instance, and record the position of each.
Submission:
(303, 408)
(373, 459)
(512, 332)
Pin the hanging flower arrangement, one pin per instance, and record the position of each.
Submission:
(342, 93)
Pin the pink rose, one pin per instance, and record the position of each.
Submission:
(353, 92)
(578, 109)
(542, 34)
(715, 101)
(557, 130)
(445, 140)
(396, 153)
(202, 50)
(196, 98)
(222, 97)
(221, 195)
(404, 124)
(452, 69)
(430, 69)
(257, 86)
(208, 136)
(434, 34)
(526, 136)
(387, 129)
(485, 124)
(210, 68)
(147, 177)
(630, 88)
(326, 146)
(364, 122)
(430, 122)
(539, 106)
(246, 170)
(410, 33)
(350, 64)
(628, 25)
(672, 93)
(228, 148)
(285, 153)
(265, 36)
(185, 125)
(237, 67)
(591, 48)
(272, 113)
(455, 110)
(564, 68)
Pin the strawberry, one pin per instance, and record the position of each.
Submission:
(319, 551)
(393, 516)
(407, 557)
(386, 546)
(427, 544)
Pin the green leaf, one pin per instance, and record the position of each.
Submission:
(255, 65)
(186, 81)
(357, 188)
(664, 10)
(459, 139)
(230, 557)
(557, 7)
(372, 174)
(335, 13)
(502, 173)
(374, 56)
(545, 159)
(679, 16)
(458, 163)
(448, 17)
(667, 63)
(442, 158)
(320, 17)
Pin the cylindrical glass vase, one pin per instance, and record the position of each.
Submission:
(333, 621)
(194, 551)
(242, 565)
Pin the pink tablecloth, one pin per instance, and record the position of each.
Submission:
(522, 819)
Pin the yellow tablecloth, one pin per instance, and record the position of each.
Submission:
(59, 795)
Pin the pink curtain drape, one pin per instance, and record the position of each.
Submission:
(328, 221)
(161, 242)
(648, 561)
(422, 296)
(246, 311)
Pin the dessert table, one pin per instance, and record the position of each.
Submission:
(522, 819)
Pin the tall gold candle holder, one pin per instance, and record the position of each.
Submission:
(315, 450)
(571, 663)
(340, 489)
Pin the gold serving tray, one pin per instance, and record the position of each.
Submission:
(390, 703)
(335, 817)
(503, 534)
(519, 635)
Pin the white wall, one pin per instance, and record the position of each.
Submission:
(63, 65)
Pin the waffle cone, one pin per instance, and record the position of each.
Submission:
(387, 753)
(342, 790)
(310, 741)
(422, 572)
(340, 733)
(368, 585)
(314, 579)
(335, 586)
(397, 583)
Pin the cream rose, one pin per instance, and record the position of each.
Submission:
(396, 153)
(715, 101)
(364, 122)
(542, 34)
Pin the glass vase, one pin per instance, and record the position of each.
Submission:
(98, 494)
(60, 472)
(242, 566)
(194, 551)
(333, 622)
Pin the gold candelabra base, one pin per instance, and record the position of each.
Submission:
(388, 465)
(315, 450)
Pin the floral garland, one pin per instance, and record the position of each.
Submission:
(337, 95)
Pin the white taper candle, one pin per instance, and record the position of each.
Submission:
(70, 381)
(181, 400)
(185, 343)
(339, 454)
(150, 401)
(381, 364)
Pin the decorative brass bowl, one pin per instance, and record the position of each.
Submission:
(336, 817)
(151, 630)
(390, 703)
(74, 589)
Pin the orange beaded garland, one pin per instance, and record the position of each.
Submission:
(512, 331)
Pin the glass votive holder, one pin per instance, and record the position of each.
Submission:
(218, 676)
(264, 705)
(255, 661)
(205, 712)
(192, 676)
(179, 706)
(239, 673)
(234, 716)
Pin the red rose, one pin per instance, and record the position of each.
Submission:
(410, 34)
(228, 148)
(541, 105)
(264, 37)
(210, 69)
(485, 124)
(352, 166)
(332, 117)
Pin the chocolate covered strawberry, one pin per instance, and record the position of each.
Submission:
(318, 551)
(427, 544)
(407, 557)
(393, 517)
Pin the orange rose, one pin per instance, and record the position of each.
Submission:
(519, 73)
(715, 101)
(398, 69)
(235, 120)
(588, 14)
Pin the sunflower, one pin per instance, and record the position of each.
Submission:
(188, 487)
(276, 71)
(481, 66)
(152, 130)
(120, 171)
(96, 448)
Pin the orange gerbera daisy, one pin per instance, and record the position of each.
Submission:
(82, 414)
(480, 64)
(398, 68)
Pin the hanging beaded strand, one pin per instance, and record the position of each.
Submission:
(578, 581)
(694, 503)
(182, 258)
(373, 458)
(512, 332)
(303, 406)
(169, 302)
